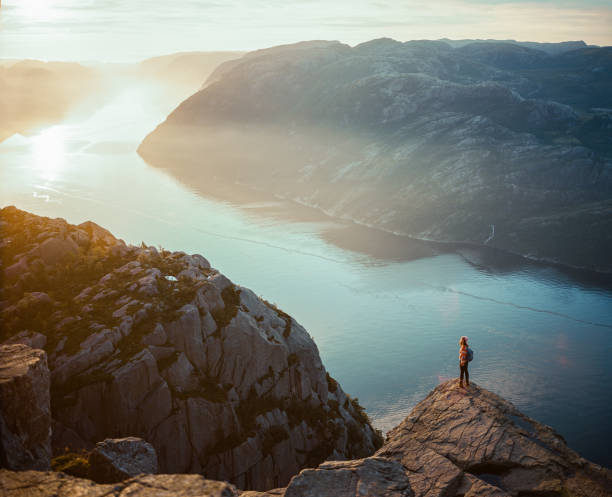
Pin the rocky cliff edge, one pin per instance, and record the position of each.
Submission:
(156, 344)
(455, 443)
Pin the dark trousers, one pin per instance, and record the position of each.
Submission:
(463, 369)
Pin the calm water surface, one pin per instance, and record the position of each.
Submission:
(386, 324)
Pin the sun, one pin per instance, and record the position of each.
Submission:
(37, 10)
(48, 151)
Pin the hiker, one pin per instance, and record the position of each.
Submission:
(463, 361)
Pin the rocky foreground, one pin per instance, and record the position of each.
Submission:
(143, 342)
(455, 443)
(492, 143)
(198, 375)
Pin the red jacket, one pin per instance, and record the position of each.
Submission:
(463, 355)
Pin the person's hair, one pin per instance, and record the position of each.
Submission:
(463, 341)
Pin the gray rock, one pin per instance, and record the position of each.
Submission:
(456, 431)
(186, 335)
(372, 476)
(156, 337)
(117, 459)
(25, 414)
(30, 338)
(55, 250)
(181, 375)
(14, 271)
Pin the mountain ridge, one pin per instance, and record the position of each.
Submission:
(415, 138)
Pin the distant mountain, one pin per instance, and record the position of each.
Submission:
(491, 143)
(550, 48)
(184, 68)
(35, 93)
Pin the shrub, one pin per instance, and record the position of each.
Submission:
(332, 385)
(72, 463)
(231, 299)
(272, 437)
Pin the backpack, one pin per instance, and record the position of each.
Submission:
(470, 354)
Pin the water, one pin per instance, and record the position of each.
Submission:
(386, 318)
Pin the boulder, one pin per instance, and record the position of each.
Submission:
(55, 250)
(117, 459)
(373, 476)
(25, 415)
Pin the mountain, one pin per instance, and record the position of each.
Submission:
(550, 48)
(186, 69)
(491, 143)
(35, 93)
(156, 344)
(455, 443)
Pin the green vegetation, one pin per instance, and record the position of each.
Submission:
(332, 385)
(60, 395)
(271, 437)
(358, 411)
(168, 361)
(282, 314)
(231, 299)
(72, 463)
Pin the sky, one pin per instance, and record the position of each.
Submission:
(129, 30)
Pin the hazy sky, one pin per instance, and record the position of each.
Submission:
(121, 30)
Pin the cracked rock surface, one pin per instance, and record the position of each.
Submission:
(472, 442)
(117, 459)
(25, 415)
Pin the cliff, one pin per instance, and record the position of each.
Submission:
(487, 143)
(455, 443)
(156, 344)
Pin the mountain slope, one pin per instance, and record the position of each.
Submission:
(157, 344)
(417, 138)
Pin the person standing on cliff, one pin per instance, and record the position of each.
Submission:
(463, 361)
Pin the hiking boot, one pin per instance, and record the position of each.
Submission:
(467, 383)
(461, 384)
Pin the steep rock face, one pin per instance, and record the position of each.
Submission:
(159, 345)
(419, 138)
(25, 414)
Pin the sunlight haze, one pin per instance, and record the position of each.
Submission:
(112, 30)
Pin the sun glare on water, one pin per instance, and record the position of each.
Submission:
(48, 149)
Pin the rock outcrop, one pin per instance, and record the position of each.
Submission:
(41, 484)
(117, 459)
(460, 443)
(25, 414)
(455, 443)
(472, 442)
(158, 345)
(486, 143)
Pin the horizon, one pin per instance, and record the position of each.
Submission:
(115, 32)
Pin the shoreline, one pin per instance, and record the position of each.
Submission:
(223, 190)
